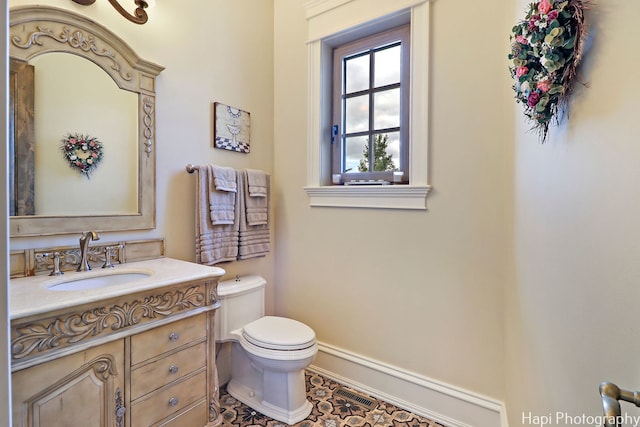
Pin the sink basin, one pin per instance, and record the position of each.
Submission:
(95, 282)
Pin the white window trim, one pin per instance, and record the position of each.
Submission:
(328, 21)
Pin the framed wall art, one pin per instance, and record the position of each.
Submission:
(231, 128)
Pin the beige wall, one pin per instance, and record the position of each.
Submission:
(572, 311)
(418, 290)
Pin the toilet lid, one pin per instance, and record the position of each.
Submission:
(279, 333)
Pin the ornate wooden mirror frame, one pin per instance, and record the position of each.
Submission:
(35, 30)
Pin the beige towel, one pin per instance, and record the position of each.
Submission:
(222, 203)
(224, 178)
(214, 243)
(253, 251)
(253, 239)
(256, 205)
(256, 183)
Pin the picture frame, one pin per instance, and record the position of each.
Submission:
(232, 128)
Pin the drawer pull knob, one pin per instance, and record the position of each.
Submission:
(173, 369)
(173, 401)
(173, 336)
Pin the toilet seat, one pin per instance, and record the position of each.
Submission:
(279, 333)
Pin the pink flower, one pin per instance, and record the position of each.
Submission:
(544, 7)
(521, 71)
(72, 140)
(553, 15)
(522, 39)
(534, 98)
(544, 86)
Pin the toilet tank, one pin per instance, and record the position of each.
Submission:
(241, 301)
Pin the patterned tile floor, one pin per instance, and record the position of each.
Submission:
(329, 410)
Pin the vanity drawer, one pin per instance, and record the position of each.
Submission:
(166, 338)
(155, 374)
(194, 416)
(170, 400)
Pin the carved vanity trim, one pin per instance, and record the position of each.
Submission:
(35, 337)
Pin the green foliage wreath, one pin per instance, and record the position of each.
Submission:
(546, 48)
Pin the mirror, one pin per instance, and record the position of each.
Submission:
(53, 54)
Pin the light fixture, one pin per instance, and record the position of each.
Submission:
(139, 17)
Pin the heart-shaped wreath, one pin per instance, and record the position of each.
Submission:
(83, 152)
(546, 48)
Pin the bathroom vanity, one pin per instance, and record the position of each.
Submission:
(130, 346)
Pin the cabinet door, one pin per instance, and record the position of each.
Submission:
(83, 389)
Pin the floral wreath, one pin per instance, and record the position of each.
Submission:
(83, 152)
(546, 48)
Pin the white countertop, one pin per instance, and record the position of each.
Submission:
(29, 295)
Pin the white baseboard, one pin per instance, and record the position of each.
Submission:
(444, 403)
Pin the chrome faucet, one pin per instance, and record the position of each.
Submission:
(84, 247)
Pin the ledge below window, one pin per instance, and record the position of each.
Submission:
(378, 197)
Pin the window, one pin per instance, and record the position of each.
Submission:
(335, 23)
(371, 108)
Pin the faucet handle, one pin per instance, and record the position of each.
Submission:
(56, 263)
(107, 257)
(108, 253)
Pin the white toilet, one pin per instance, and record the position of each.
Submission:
(269, 354)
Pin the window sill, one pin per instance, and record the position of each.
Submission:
(378, 197)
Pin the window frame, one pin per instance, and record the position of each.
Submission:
(365, 46)
(333, 22)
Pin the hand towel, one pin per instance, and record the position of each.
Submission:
(257, 183)
(222, 194)
(254, 240)
(257, 203)
(224, 178)
(214, 243)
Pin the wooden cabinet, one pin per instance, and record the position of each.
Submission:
(82, 389)
(168, 373)
(91, 366)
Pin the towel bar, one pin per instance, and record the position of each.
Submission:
(611, 395)
(191, 168)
